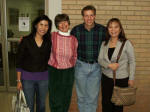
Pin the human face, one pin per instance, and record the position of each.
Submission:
(89, 18)
(63, 26)
(42, 28)
(114, 29)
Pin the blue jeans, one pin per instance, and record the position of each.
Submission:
(38, 88)
(87, 77)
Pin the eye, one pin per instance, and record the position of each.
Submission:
(41, 24)
(109, 27)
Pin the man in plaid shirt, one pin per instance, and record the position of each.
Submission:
(87, 71)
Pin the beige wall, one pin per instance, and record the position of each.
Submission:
(135, 17)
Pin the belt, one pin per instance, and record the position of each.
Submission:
(89, 62)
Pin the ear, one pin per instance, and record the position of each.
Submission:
(83, 17)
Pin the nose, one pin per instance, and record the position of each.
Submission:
(44, 27)
(112, 29)
(64, 24)
(89, 17)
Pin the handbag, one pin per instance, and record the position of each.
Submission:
(122, 96)
(19, 103)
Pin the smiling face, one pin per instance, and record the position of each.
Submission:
(63, 26)
(114, 29)
(42, 28)
(89, 18)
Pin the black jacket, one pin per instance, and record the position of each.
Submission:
(32, 58)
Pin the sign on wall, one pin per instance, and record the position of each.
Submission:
(23, 23)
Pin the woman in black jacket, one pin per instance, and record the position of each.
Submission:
(32, 58)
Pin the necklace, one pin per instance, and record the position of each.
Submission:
(113, 40)
(112, 43)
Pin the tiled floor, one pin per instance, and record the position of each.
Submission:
(5, 102)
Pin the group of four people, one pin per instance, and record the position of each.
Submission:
(53, 60)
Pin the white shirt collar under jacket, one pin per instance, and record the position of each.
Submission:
(64, 33)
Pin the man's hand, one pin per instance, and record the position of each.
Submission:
(20, 39)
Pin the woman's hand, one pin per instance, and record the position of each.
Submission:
(19, 85)
(131, 83)
(113, 66)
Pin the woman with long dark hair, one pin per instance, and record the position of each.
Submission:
(32, 58)
(125, 68)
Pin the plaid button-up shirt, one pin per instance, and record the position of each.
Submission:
(89, 42)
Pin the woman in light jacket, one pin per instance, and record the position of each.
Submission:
(125, 68)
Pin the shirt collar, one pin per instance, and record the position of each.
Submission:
(64, 33)
(95, 25)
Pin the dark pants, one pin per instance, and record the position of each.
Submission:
(60, 88)
(107, 89)
(38, 88)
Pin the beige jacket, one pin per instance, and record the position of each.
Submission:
(126, 61)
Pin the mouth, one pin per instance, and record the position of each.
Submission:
(43, 32)
(89, 21)
(114, 33)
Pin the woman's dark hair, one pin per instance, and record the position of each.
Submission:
(121, 37)
(88, 7)
(61, 17)
(36, 21)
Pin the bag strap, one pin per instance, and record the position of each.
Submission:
(22, 97)
(118, 57)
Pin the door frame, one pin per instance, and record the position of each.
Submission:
(4, 44)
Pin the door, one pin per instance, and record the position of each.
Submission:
(2, 47)
(16, 17)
